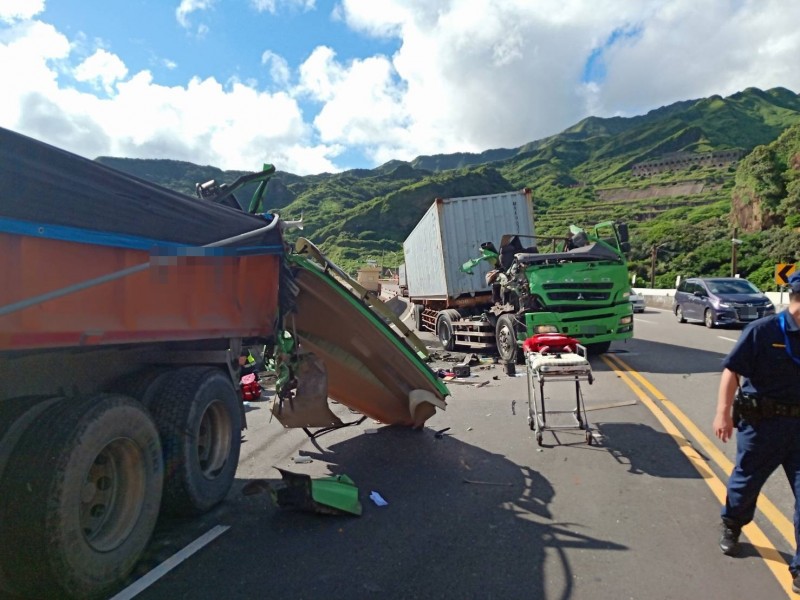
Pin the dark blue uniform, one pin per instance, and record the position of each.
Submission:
(767, 355)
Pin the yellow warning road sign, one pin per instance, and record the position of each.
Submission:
(782, 273)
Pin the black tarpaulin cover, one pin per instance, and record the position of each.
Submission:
(42, 184)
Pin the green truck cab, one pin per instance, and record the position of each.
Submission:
(577, 287)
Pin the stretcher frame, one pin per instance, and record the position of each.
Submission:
(569, 367)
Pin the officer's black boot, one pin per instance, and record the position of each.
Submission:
(729, 540)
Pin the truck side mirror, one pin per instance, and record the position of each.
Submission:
(625, 247)
(622, 233)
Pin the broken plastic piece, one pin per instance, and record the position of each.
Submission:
(377, 499)
(328, 495)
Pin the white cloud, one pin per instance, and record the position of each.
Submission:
(187, 7)
(465, 77)
(500, 73)
(14, 10)
(278, 67)
(204, 121)
(102, 69)
(272, 6)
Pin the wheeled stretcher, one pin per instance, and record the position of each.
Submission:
(556, 358)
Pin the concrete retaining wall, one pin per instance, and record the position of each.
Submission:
(662, 298)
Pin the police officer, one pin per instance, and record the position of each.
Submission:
(766, 405)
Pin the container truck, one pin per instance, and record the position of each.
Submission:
(124, 308)
(480, 278)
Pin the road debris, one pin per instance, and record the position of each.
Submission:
(377, 499)
(502, 483)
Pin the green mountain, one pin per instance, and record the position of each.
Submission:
(671, 174)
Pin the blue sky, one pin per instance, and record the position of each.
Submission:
(313, 86)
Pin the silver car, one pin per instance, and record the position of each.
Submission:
(637, 302)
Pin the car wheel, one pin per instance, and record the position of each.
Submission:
(708, 318)
(679, 314)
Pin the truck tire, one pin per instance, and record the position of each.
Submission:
(142, 385)
(506, 339)
(16, 415)
(198, 414)
(444, 329)
(416, 310)
(82, 495)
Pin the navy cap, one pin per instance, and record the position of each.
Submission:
(794, 281)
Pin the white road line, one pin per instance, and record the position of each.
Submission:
(173, 561)
(727, 339)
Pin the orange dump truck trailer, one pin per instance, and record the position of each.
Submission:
(123, 310)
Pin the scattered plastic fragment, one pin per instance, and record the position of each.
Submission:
(302, 459)
(327, 495)
(377, 499)
(440, 434)
(371, 430)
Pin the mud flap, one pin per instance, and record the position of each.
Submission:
(307, 406)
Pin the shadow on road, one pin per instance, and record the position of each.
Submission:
(439, 536)
(645, 451)
(666, 358)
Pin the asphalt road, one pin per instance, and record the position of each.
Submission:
(484, 512)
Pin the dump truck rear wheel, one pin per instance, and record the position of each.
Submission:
(142, 385)
(84, 490)
(198, 414)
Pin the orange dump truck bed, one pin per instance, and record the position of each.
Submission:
(58, 293)
(90, 255)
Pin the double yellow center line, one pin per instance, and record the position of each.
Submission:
(654, 402)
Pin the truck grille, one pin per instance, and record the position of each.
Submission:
(579, 296)
(605, 285)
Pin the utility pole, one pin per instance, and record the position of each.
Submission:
(653, 255)
(653, 267)
(734, 242)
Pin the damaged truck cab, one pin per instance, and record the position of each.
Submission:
(576, 285)
(579, 289)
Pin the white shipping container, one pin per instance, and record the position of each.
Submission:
(451, 232)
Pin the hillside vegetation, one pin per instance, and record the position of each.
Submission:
(684, 215)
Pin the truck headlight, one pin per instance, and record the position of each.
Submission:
(545, 329)
(626, 320)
